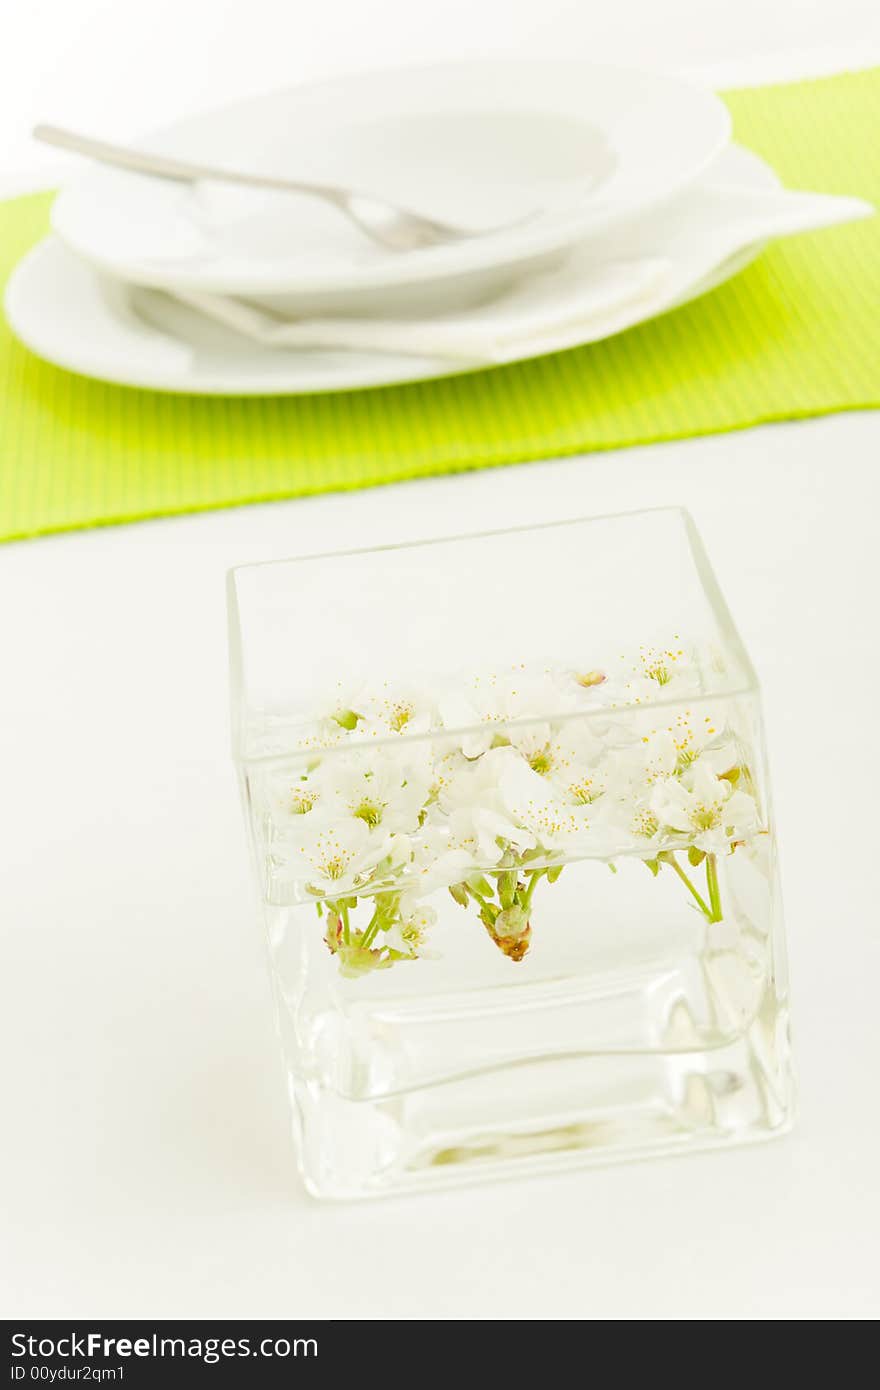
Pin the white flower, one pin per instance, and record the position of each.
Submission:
(468, 838)
(347, 705)
(339, 857)
(658, 672)
(378, 787)
(474, 783)
(698, 735)
(671, 751)
(705, 808)
(402, 710)
(477, 831)
(352, 711)
(467, 828)
(560, 754)
(644, 824)
(437, 861)
(569, 760)
(409, 934)
(637, 767)
(289, 797)
(498, 698)
(543, 819)
(583, 785)
(446, 763)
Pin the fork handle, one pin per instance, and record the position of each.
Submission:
(166, 167)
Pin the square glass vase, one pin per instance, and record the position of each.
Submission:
(508, 802)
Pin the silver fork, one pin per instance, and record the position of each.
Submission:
(386, 223)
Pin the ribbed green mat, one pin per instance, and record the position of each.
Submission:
(796, 334)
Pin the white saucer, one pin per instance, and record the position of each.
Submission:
(73, 316)
(564, 148)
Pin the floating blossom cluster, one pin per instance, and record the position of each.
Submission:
(372, 821)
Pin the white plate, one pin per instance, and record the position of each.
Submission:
(71, 315)
(479, 144)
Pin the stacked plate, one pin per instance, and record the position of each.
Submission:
(597, 199)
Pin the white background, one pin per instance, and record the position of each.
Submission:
(147, 1166)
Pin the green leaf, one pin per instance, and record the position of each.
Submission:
(553, 874)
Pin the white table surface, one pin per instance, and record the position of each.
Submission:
(146, 1168)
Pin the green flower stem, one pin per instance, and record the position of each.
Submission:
(670, 859)
(342, 909)
(534, 876)
(478, 897)
(714, 890)
(385, 912)
(371, 930)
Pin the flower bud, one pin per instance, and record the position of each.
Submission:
(507, 888)
(511, 922)
(333, 934)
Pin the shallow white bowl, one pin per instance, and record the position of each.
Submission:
(573, 148)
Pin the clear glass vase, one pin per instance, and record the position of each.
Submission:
(508, 803)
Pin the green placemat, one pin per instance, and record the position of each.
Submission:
(796, 334)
